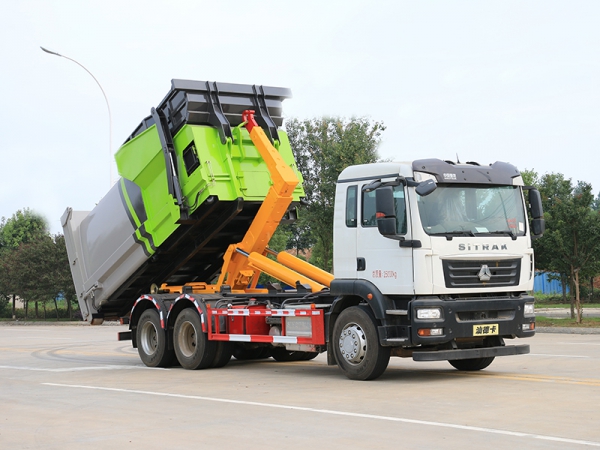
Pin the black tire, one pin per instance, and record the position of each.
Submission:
(282, 355)
(309, 355)
(471, 364)
(192, 347)
(356, 345)
(244, 353)
(152, 342)
(223, 354)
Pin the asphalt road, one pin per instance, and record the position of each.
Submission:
(74, 387)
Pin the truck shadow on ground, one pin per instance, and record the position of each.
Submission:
(318, 369)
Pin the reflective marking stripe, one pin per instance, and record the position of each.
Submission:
(317, 337)
(196, 304)
(240, 337)
(266, 312)
(285, 339)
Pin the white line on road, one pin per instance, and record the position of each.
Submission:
(47, 339)
(577, 343)
(558, 356)
(79, 369)
(337, 413)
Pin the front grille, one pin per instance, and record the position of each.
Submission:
(476, 316)
(473, 274)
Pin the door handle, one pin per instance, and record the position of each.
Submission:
(361, 264)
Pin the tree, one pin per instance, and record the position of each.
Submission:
(62, 273)
(39, 271)
(571, 243)
(596, 203)
(24, 226)
(323, 147)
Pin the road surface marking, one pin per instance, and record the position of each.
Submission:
(524, 377)
(337, 413)
(577, 343)
(132, 352)
(79, 369)
(558, 356)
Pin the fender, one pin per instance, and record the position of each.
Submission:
(366, 290)
(187, 301)
(143, 303)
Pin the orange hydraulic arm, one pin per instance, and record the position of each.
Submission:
(242, 260)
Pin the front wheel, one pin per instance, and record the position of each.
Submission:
(152, 341)
(192, 347)
(356, 345)
(471, 364)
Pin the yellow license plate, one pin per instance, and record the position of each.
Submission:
(489, 329)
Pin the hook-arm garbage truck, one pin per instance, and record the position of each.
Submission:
(432, 259)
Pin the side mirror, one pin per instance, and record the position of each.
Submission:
(535, 201)
(425, 187)
(538, 226)
(385, 211)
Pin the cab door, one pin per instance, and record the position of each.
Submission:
(344, 231)
(381, 260)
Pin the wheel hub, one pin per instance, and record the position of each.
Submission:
(353, 343)
(149, 338)
(187, 339)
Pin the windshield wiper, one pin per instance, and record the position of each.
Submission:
(512, 234)
(450, 234)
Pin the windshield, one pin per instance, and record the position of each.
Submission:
(471, 210)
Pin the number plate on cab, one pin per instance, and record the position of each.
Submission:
(489, 329)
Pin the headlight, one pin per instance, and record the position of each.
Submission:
(529, 309)
(429, 313)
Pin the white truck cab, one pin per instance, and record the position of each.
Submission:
(444, 251)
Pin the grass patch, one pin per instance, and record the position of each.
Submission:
(587, 322)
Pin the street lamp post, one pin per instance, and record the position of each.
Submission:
(107, 105)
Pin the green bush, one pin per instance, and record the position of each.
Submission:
(585, 295)
(548, 298)
(63, 313)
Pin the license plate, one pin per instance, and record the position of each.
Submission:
(489, 329)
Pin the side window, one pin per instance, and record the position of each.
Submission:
(190, 159)
(351, 207)
(369, 218)
(368, 209)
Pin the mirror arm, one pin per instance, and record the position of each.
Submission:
(377, 184)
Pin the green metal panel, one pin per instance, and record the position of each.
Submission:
(227, 171)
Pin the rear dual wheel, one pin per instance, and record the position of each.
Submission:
(245, 353)
(192, 347)
(283, 355)
(152, 342)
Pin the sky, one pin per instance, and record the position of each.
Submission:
(485, 81)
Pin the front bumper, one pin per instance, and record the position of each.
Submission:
(460, 318)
